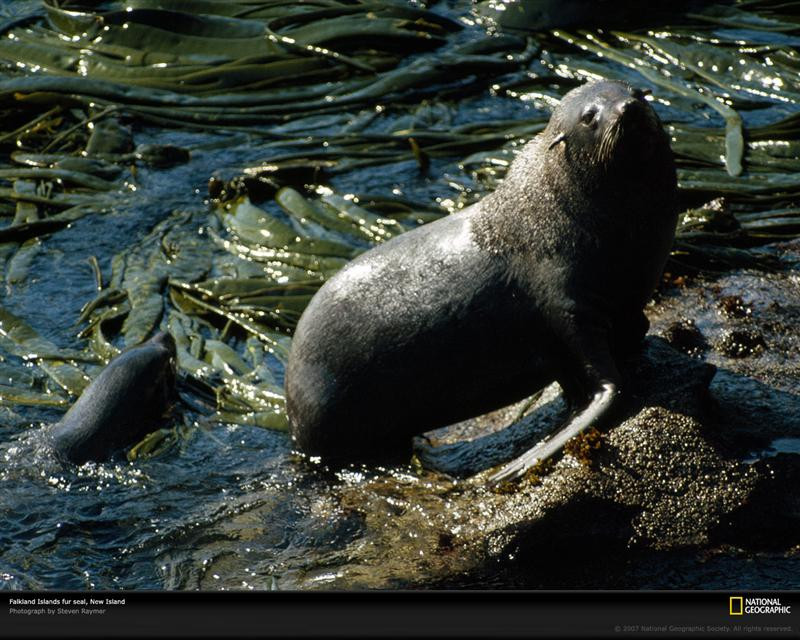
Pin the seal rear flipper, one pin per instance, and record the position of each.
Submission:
(600, 405)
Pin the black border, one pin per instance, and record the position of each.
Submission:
(407, 614)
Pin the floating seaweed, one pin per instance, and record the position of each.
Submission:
(330, 88)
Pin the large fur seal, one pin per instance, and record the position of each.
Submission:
(545, 279)
(122, 405)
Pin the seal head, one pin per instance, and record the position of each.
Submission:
(122, 405)
(593, 121)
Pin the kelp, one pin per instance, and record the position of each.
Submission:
(263, 323)
(21, 340)
(326, 232)
(177, 51)
(28, 230)
(235, 99)
(740, 19)
(696, 257)
(132, 305)
(24, 386)
(321, 158)
(328, 88)
(17, 268)
(243, 392)
(90, 62)
(687, 68)
(139, 278)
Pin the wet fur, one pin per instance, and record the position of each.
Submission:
(545, 279)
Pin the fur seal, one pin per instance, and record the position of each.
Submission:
(545, 279)
(122, 405)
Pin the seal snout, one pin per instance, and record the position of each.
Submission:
(165, 341)
(633, 112)
(625, 105)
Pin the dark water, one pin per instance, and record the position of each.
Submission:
(231, 507)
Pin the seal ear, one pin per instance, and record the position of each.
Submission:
(559, 138)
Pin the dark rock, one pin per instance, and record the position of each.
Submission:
(686, 337)
(662, 376)
(261, 183)
(676, 480)
(734, 307)
(109, 137)
(478, 446)
(257, 188)
(468, 447)
(162, 156)
(741, 343)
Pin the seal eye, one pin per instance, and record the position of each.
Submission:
(588, 116)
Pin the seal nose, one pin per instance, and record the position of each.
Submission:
(165, 340)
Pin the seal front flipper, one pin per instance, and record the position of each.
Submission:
(588, 343)
(601, 403)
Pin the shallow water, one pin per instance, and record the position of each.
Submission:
(230, 506)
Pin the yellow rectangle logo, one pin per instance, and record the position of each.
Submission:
(737, 605)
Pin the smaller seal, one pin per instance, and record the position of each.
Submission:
(122, 405)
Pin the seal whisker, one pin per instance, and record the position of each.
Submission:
(600, 153)
(608, 142)
(613, 139)
(600, 157)
(561, 137)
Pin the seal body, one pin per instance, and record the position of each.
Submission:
(543, 280)
(122, 405)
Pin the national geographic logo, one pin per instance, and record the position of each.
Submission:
(739, 606)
